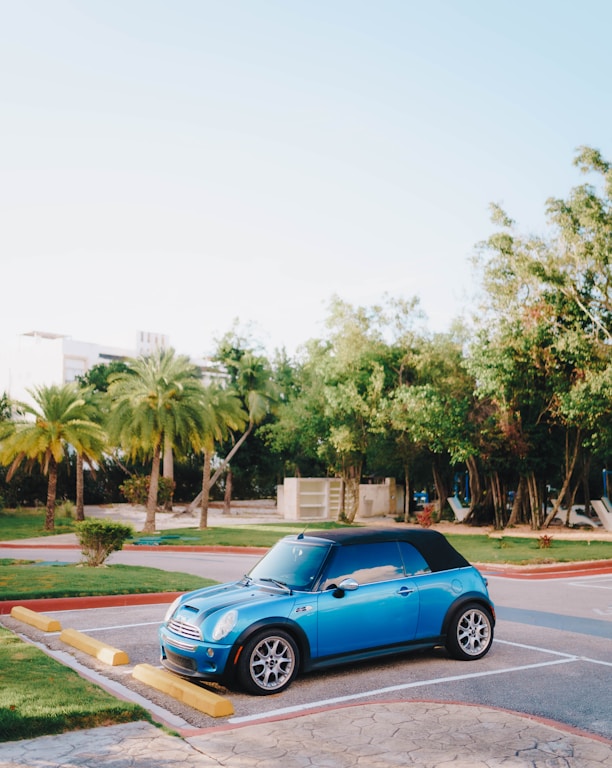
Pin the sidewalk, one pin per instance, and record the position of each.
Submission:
(423, 734)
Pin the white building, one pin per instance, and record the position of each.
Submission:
(38, 359)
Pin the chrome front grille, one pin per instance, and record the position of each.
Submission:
(181, 661)
(184, 629)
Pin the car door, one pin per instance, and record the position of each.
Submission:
(382, 610)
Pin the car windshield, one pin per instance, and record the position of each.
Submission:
(291, 563)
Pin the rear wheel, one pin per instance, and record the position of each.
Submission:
(268, 663)
(470, 632)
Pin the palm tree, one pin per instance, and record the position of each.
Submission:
(60, 419)
(157, 404)
(251, 385)
(223, 413)
(94, 385)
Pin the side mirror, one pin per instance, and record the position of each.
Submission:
(346, 585)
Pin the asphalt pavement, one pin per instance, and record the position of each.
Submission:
(427, 734)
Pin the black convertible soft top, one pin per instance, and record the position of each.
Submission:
(435, 548)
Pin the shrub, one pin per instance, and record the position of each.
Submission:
(136, 490)
(425, 518)
(98, 538)
(65, 509)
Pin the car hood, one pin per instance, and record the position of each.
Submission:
(198, 605)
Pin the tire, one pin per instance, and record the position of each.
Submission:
(268, 663)
(470, 632)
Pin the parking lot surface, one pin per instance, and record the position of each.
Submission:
(542, 696)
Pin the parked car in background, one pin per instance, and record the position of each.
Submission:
(328, 597)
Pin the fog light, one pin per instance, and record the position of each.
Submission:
(210, 653)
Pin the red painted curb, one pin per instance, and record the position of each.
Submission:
(552, 571)
(148, 548)
(93, 601)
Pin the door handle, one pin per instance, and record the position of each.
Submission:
(406, 591)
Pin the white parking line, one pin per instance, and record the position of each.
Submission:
(120, 626)
(605, 583)
(535, 648)
(571, 656)
(402, 687)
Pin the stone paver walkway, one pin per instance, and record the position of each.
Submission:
(423, 734)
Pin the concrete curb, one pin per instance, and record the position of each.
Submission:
(89, 645)
(28, 616)
(182, 690)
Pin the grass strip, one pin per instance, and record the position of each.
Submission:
(247, 535)
(518, 550)
(25, 580)
(18, 524)
(478, 548)
(39, 696)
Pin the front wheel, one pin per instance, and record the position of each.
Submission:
(268, 663)
(470, 632)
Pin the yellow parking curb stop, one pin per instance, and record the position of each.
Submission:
(35, 619)
(102, 651)
(199, 698)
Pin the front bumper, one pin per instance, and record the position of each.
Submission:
(193, 658)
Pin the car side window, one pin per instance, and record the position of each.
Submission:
(414, 562)
(366, 564)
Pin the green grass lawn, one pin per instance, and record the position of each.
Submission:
(247, 535)
(39, 696)
(30, 523)
(526, 551)
(27, 580)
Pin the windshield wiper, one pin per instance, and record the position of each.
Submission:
(280, 584)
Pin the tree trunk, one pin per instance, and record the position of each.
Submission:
(475, 486)
(51, 494)
(149, 526)
(570, 465)
(517, 505)
(407, 495)
(168, 469)
(442, 490)
(352, 478)
(342, 503)
(191, 508)
(80, 483)
(205, 493)
(534, 501)
(227, 496)
(498, 501)
(586, 486)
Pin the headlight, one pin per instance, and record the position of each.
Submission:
(224, 626)
(171, 609)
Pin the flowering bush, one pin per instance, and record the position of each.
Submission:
(424, 518)
(136, 490)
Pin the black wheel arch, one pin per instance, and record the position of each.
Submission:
(270, 624)
(460, 602)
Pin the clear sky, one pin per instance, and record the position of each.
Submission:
(171, 165)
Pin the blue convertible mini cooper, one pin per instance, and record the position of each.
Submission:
(329, 597)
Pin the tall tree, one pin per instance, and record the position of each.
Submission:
(251, 386)
(59, 420)
(94, 385)
(549, 313)
(159, 398)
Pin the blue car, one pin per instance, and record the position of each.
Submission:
(326, 598)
